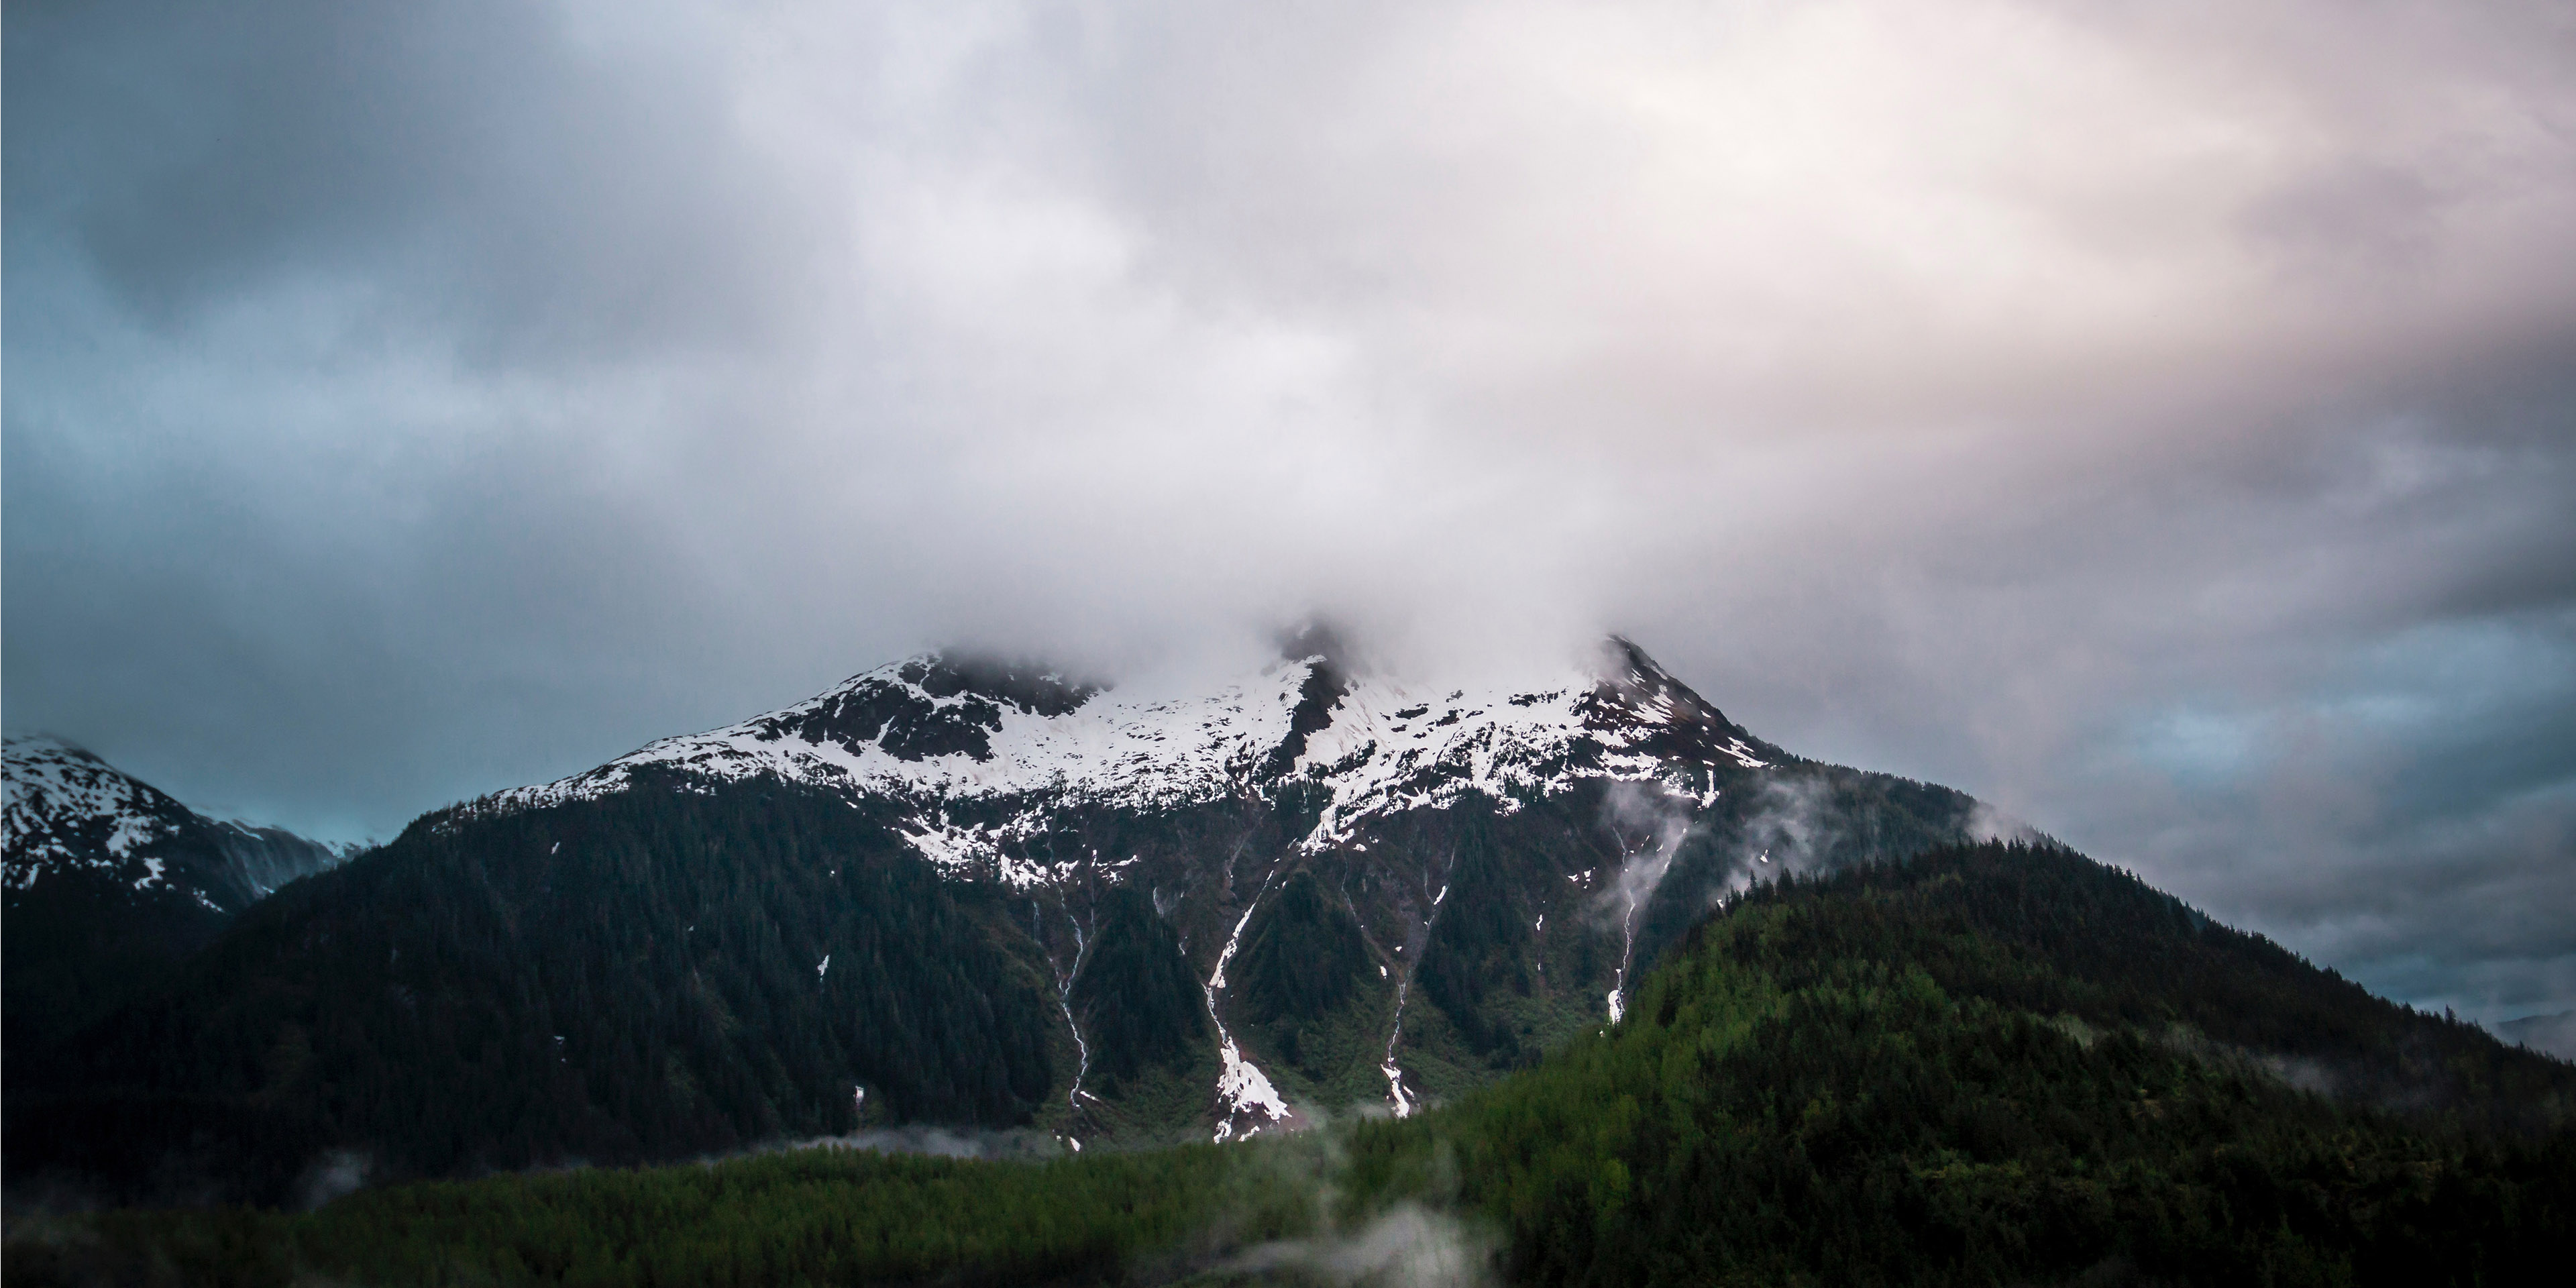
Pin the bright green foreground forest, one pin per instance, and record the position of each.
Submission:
(1987, 1065)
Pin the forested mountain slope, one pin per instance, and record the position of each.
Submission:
(606, 981)
(1988, 1064)
(1999, 1063)
(108, 884)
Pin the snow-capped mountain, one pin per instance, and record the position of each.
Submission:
(1583, 786)
(72, 816)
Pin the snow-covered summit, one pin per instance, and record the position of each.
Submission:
(937, 731)
(1055, 789)
(70, 813)
(68, 810)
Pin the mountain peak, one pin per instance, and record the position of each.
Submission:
(1026, 685)
(66, 806)
(1318, 639)
(72, 815)
(32, 749)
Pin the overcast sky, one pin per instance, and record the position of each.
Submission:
(2159, 420)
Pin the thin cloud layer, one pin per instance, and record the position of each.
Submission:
(2155, 422)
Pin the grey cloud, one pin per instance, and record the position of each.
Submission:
(409, 401)
(522, 197)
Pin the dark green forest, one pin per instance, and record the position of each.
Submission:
(80, 945)
(1997, 1064)
(1988, 1064)
(653, 987)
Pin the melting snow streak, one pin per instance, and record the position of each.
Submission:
(1242, 1089)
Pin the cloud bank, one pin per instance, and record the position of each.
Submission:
(2158, 422)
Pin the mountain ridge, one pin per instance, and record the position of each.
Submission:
(939, 727)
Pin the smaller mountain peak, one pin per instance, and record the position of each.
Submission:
(1622, 661)
(23, 746)
(1030, 686)
(1318, 639)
